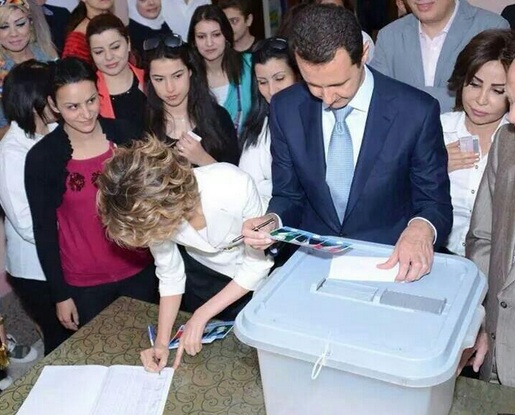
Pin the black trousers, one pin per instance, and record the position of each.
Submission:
(92, 300)
(202, 284)
(35, 298)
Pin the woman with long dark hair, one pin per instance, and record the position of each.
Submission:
(180, 107)
(274, 70)
(85, 270)
(228, 72)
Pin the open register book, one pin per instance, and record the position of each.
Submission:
(98, 390)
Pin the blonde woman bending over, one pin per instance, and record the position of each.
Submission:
(149, 196)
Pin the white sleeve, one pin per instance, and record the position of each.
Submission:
(256, 265)
(169, 268)
(13, 196)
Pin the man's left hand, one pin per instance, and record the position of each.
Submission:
(413, 251)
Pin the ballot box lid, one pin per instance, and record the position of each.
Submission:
(410, 334)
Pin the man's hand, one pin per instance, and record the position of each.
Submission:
(413, 251)
(258, 239)
(155, 358)
(458, 159)
(191, 338)
(67, 314)
(475, 356)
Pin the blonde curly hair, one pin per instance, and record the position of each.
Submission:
(144, 192)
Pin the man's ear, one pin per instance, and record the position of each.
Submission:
(366, 49)
(249, 20)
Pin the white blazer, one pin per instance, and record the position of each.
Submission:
(228, 196)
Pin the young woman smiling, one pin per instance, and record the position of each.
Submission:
(76, 43)
(84, 269)
(179, 102)
(228, 72)
(24, 35)
(119, 83)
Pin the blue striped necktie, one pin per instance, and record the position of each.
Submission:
(340, 162)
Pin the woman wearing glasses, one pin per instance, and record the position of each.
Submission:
(120, 84)
(180, 108)
(228, 72)
(274, 70)
(189, 218)
(85, 270)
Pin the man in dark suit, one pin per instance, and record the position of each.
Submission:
(356, 154)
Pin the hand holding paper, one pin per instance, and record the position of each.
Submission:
(359, 268)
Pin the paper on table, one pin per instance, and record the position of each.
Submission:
(97, 390)
(359, 268)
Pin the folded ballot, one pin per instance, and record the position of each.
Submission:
(360, 268)
(98, 390)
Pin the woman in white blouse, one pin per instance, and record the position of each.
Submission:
(478, 79)
(26, 89)
(274, 70)
(149, 195)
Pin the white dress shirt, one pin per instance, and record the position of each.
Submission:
(431, 48)
(257, 162)
(464, 182)
(22, 259)
(229, 197)
(177, 14)
(356, 121)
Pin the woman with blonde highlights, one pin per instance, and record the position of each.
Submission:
(150, 196)
(24, 35)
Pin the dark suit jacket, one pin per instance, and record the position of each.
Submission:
(401, 170)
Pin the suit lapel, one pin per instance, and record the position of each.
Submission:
(380, 116)
(452, 43)
(311, 115)
(411, 38)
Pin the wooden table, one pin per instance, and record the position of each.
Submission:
(222, 379)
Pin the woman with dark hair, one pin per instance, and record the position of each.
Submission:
(180, 107)
(274, 70)
(75, 43)
(85, 270)
(228, 72)
(478, 80)
(120, 84)
(26, 90)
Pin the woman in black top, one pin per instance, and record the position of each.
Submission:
(145, 21)
(85, 271)
(120, 84)
(180, 107)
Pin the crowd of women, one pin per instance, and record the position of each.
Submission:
(179, 115)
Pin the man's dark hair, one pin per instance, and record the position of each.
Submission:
(319, 30)
(242, 5)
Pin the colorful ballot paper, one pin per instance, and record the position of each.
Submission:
(331, 244)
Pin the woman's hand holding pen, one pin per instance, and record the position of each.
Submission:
(191, 338)
(155, 358)
(257, 236)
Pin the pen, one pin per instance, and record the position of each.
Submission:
(150, 336)
(256, 228)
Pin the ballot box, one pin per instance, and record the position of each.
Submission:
(335, 347)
